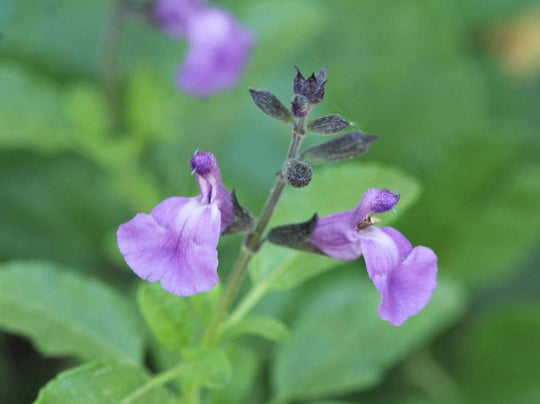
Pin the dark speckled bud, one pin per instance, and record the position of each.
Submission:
(297, 173)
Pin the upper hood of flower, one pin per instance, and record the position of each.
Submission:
(205, 166)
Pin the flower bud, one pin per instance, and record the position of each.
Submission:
(271, 105)
(344, 147)
(328, 125)
(300, 106)
(297, 173)
(312, 88)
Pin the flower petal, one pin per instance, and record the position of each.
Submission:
(173, 15)
(176, 244)
(335, 236)
(373, 201)
(219, 49)
(406, 277)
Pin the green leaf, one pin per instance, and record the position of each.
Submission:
(339, 344)
(176, 321)
(511, 204)
(346, 183)
(499, 354)
(262, 326)
(154, 106)
(299, 22)
(65, 313)
(208, 366)
(244, 370)
(102, 382)
(169, 316)
(30, 112)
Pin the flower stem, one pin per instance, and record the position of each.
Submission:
(111, 46)
(252, 242)
(154, 382)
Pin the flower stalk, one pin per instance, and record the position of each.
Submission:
(252, 242)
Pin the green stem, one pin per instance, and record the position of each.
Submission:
(251, 243)
(253, 297)
(111, 47)
(154, 382)
(250, 246)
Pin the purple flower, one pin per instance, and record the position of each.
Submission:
(177, 242)
(219, 50)
(174, 15)
(405, 276)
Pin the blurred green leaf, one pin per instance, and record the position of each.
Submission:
(30, 112)
(299, 23)
(176, 321)
(70, 36)
(169, 316)
(338, 342)
(244, 367)
(153, 106)
(266, 327)
(209, 366)
(346, 183)
(59, 209)
(512, 205)
(500, 355)
(64, 313)
(102, 382)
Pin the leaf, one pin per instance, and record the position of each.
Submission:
(154, 106)
(30, 112)
(266, 327)
(499, 354)
(299, 21)
(346, 184)
(244, 370)
(48, 214)
(169, 316)
(65, 313)
(101, 382)
(339, 344)
(55, 35)
(208, 366)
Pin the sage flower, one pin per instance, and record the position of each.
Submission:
(219, 47)
(405, 276)
(176, 243)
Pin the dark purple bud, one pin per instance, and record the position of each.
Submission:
(347, 146)
(300, 106)
(271, 105)
(328, 125)
(243, 219)
(297, 173)
(299, 81)
(312, 87)
(296, 235)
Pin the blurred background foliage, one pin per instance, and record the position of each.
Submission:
(451, 87)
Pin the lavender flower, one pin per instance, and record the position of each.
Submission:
(405, 276)
(219, 47)
(176, 243)
(174, 15)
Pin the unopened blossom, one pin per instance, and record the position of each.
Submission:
(405, 276)
(219, 47)
(176, 243)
